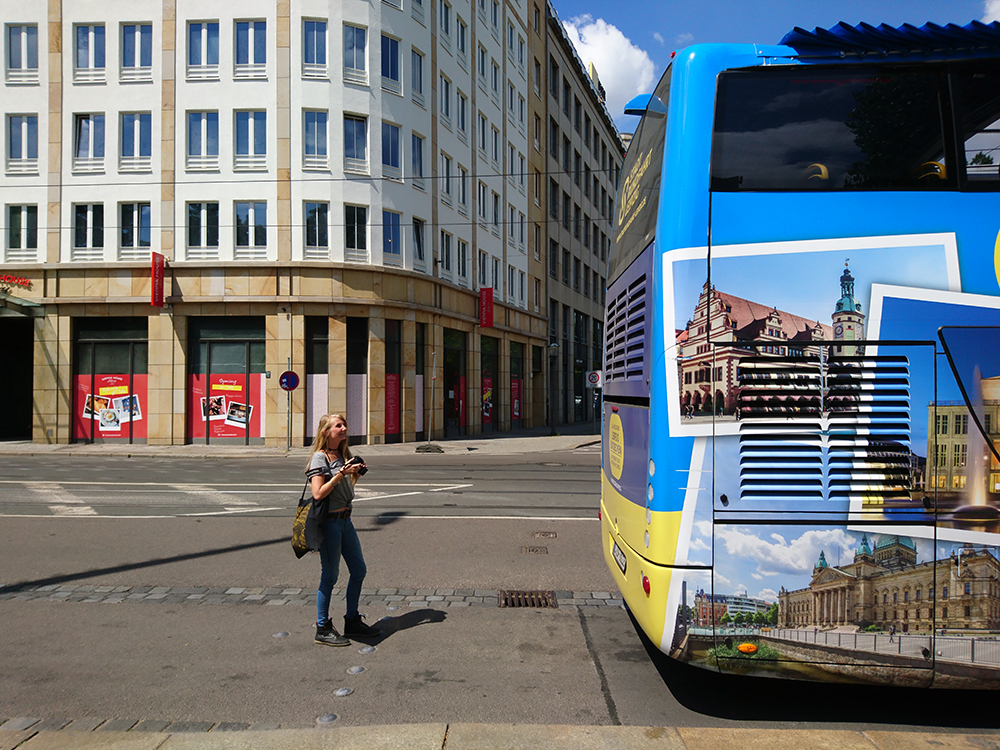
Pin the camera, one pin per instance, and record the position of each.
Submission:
(358, 460)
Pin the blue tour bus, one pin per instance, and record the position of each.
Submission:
(802, 364)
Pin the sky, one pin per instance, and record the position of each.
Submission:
(630, 43)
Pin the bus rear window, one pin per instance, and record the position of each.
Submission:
(977, 100)
(815, 129)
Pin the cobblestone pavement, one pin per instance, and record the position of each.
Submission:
(288, 596)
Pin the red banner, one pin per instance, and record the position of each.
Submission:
(114, 406)
(157, 275)
(391, 404)
(486, 307)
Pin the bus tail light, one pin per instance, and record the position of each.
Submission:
(645, 584)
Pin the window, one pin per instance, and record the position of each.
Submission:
(356, 234)
(495, 78)
(22, 233)
(482, 132)
(482, 58)
(463, 259)
(355, 143)
(444, 18)
(317, 230)
(520, 52)
(495, 143)
(251, 230)
(462, 114)
(446, 177)
(137, 52)
(203, 231)
(566, 267)
(355, 52)
(417, 76)
(961, 424)
(251, 49)
(765, 121)
(134, 231)
(483, 198)
(314, 49)
(553, 138)
(390, 65)
(497, 280)
(203, 141)
(88, 231)
(960, 456)
(463, 189)
(390, 151)
(22, 54)
(520, 286)
(417, 154)
(462, 39)
(522, 108)
(495, 14)
(251, 141)
(391, 244)
(88, 143)
(89, 62)
(314, 144)
(22, 144)
(203, 51)
(496, 213)
(445, 252)
(445, 87)
(511, 275)
(483, 269)
(942, 424)
(137, 142)
(536, 77)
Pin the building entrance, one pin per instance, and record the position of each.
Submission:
(18, 342)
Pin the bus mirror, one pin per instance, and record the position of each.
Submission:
(643, 102)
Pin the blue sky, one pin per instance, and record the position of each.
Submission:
(630, 43)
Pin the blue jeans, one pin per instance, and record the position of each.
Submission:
(341, 539)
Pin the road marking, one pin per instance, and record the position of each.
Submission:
(72, 510)
(226, 512)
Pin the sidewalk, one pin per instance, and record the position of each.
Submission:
(524, 441)
(493, 737)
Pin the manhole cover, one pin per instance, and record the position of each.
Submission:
(528, 599)
(534, 550)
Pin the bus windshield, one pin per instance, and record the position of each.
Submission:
(636, 210)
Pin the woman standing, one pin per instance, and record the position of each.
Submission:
(333, 475)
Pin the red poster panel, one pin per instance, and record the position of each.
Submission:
(487, 403)
(227, 408)
(111, 408)
(486, 307)
(158, 272)
(515, 398)
(392, 408)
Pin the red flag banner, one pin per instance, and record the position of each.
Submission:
(158, 274)
(486, 307)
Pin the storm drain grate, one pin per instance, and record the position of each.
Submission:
(532, 599)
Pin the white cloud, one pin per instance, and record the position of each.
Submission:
(787, 558)
(991, 11)
(683, 40)
(757, 576)
(624, 69)
(698, 544)
(768, 595)
(659, 37)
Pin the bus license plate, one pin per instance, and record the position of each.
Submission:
(618, 555)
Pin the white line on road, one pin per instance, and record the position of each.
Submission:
(227, 512)
(72, 510)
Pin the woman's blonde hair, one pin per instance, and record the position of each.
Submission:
(319, 442)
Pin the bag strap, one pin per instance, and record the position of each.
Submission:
(304, 488)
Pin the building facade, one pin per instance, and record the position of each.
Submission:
(886, 586)
(575, 160)
(954, 442)
(339, 190)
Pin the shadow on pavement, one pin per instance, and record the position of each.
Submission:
(390, 625)
(97, 572)
(762, 700)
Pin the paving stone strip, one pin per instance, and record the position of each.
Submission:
(286, 596)
(90, 724)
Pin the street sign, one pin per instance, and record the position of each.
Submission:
(595, 379)
(288, 380)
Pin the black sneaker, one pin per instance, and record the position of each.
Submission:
(327, 635)
(355, 628)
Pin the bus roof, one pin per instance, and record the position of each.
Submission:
(906, 42)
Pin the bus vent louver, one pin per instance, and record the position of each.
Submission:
(626, 332)
(833, 430)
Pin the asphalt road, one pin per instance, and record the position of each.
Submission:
(470, 524)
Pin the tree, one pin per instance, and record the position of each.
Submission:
(772, 614)
(726, 619)
(981, 159)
